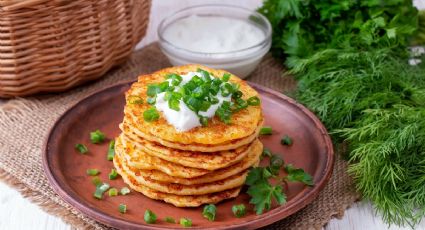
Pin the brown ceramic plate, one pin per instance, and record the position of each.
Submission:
(66, 169)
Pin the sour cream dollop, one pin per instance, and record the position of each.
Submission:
(186, 119)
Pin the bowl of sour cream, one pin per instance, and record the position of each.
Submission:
(218, 36)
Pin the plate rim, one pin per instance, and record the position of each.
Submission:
(267, 218)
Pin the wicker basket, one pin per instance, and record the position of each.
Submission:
(53, 45)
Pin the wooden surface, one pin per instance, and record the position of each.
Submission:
(18, 213)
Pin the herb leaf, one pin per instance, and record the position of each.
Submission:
(298, 174)
(262, 193)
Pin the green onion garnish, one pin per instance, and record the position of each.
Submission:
(266, 153)
(253, 101)
(100, 190)
(96, 181)
(170, 220)
(124, 191)
(151, 114)
(239, 210)
(224, 112)
(286, 140)
(266, 130)
(205, 74)
(135, 100)
(113, 192)
(111, 150)
(92, 172)
(226, 77)
(113, 174)
(151, 100)
(81, 148)
(97, 137)
(122, 208)
(175, 78)
(203, 120)
(149, 217)
(185, 222)
(209, 212)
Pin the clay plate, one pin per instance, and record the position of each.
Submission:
(66, 169)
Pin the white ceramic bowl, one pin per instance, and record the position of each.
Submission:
(240, 62)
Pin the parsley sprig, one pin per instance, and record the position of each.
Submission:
(263, 192)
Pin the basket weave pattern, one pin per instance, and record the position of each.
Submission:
(53, 45)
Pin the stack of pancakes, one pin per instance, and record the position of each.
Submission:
(191, 168)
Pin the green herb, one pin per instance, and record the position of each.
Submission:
(209, 212)
(155, 89)
(149, 217)
(113, 174)
(266, 130)
(170, 220)
(98, 194)
(122, 208)
(262, 193)
(253, 101)
(135, 100)
(203, 120)
(175, 78)
(298, 174)
(186, 222)
(96, 181)
(224, 112)
(226, 77)
(151, 100)
(151, 114)
(266, 153)
(286, 140)
(97, 137)
(113, 192)
(111, 151)
(81, 148)
(239, 210)
(92, 172)
(124, 191)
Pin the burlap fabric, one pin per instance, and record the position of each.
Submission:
(24, 124)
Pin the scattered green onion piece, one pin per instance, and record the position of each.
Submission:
(266, 130)
(205, 74)
(266, 153)
(237, 94)
(111, 150)
(100, 190)
(122, 208)
(286, 140)
(185, 222)
(253, 101)
(175, 78)
(203, 120)
(226, 77)
(135, 100)
(113, 174)
(239, 210)
(96, 181)
(151, 100)
(209, 212)
(151, 114)
(170, 220)
(174, 104)
(92, 172)
(81, 148)
(155, 89)
(97, 137)
(124, 191)
(241, 104)
(113, 192)
(224, 112)
(226, 89)
(149, 217)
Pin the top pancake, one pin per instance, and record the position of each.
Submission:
(243, 122)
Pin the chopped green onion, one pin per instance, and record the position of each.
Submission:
(224, 112)
(209, 212)
(286, 140)
(149, 217)
(276, 162)
(239, 210)
(111, 150)
(151, 100)
(266, 153)
(170, 220)
(100, 190)
(174, 104)
(185, 222)
(175, 78)
(253, 101)
(124, 191)
(205, 74)
(81, 148)
(226, 89)
(92, 172)
(113, 192)
(240, 104)
(155, 89)
(226, 77)
(113, 174)
(122, 208)
(151, 114)
(266, 130)
(237, 94)
(96, 181)
(203, 120)
(135, 100)
(97, 137)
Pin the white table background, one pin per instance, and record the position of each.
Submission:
(19, 213)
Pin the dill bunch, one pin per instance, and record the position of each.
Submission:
(374, 101)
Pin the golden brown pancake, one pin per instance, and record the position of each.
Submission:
(243, 123)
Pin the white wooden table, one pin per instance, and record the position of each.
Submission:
(18, 213)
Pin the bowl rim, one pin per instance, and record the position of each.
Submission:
(263, 43)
